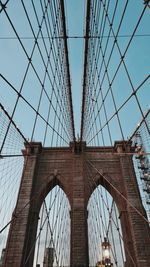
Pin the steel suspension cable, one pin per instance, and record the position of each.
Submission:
(111, 220)
(99, 92)
(102, 230)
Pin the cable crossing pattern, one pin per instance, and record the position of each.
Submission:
(36, 105)
(110, 90)
(38, 92)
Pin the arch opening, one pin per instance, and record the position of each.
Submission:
(105, 237)
(52, 246)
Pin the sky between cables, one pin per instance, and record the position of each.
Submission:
(35, 94)
(36, 22)
(116, 71)
(34, 78)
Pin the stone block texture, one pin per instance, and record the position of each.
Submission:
(45, 168)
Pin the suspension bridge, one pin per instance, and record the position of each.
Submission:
(74, 177)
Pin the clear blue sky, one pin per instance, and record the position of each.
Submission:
(13, 62)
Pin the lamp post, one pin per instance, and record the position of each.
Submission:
(106, 259)
(106, 253)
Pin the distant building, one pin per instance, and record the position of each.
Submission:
(48, 257)
(2, 257)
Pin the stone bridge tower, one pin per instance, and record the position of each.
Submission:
(45, 168)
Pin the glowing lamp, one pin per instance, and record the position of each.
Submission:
(106, 249)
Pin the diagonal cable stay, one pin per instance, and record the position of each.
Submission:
(113, 88)
(36, 105)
